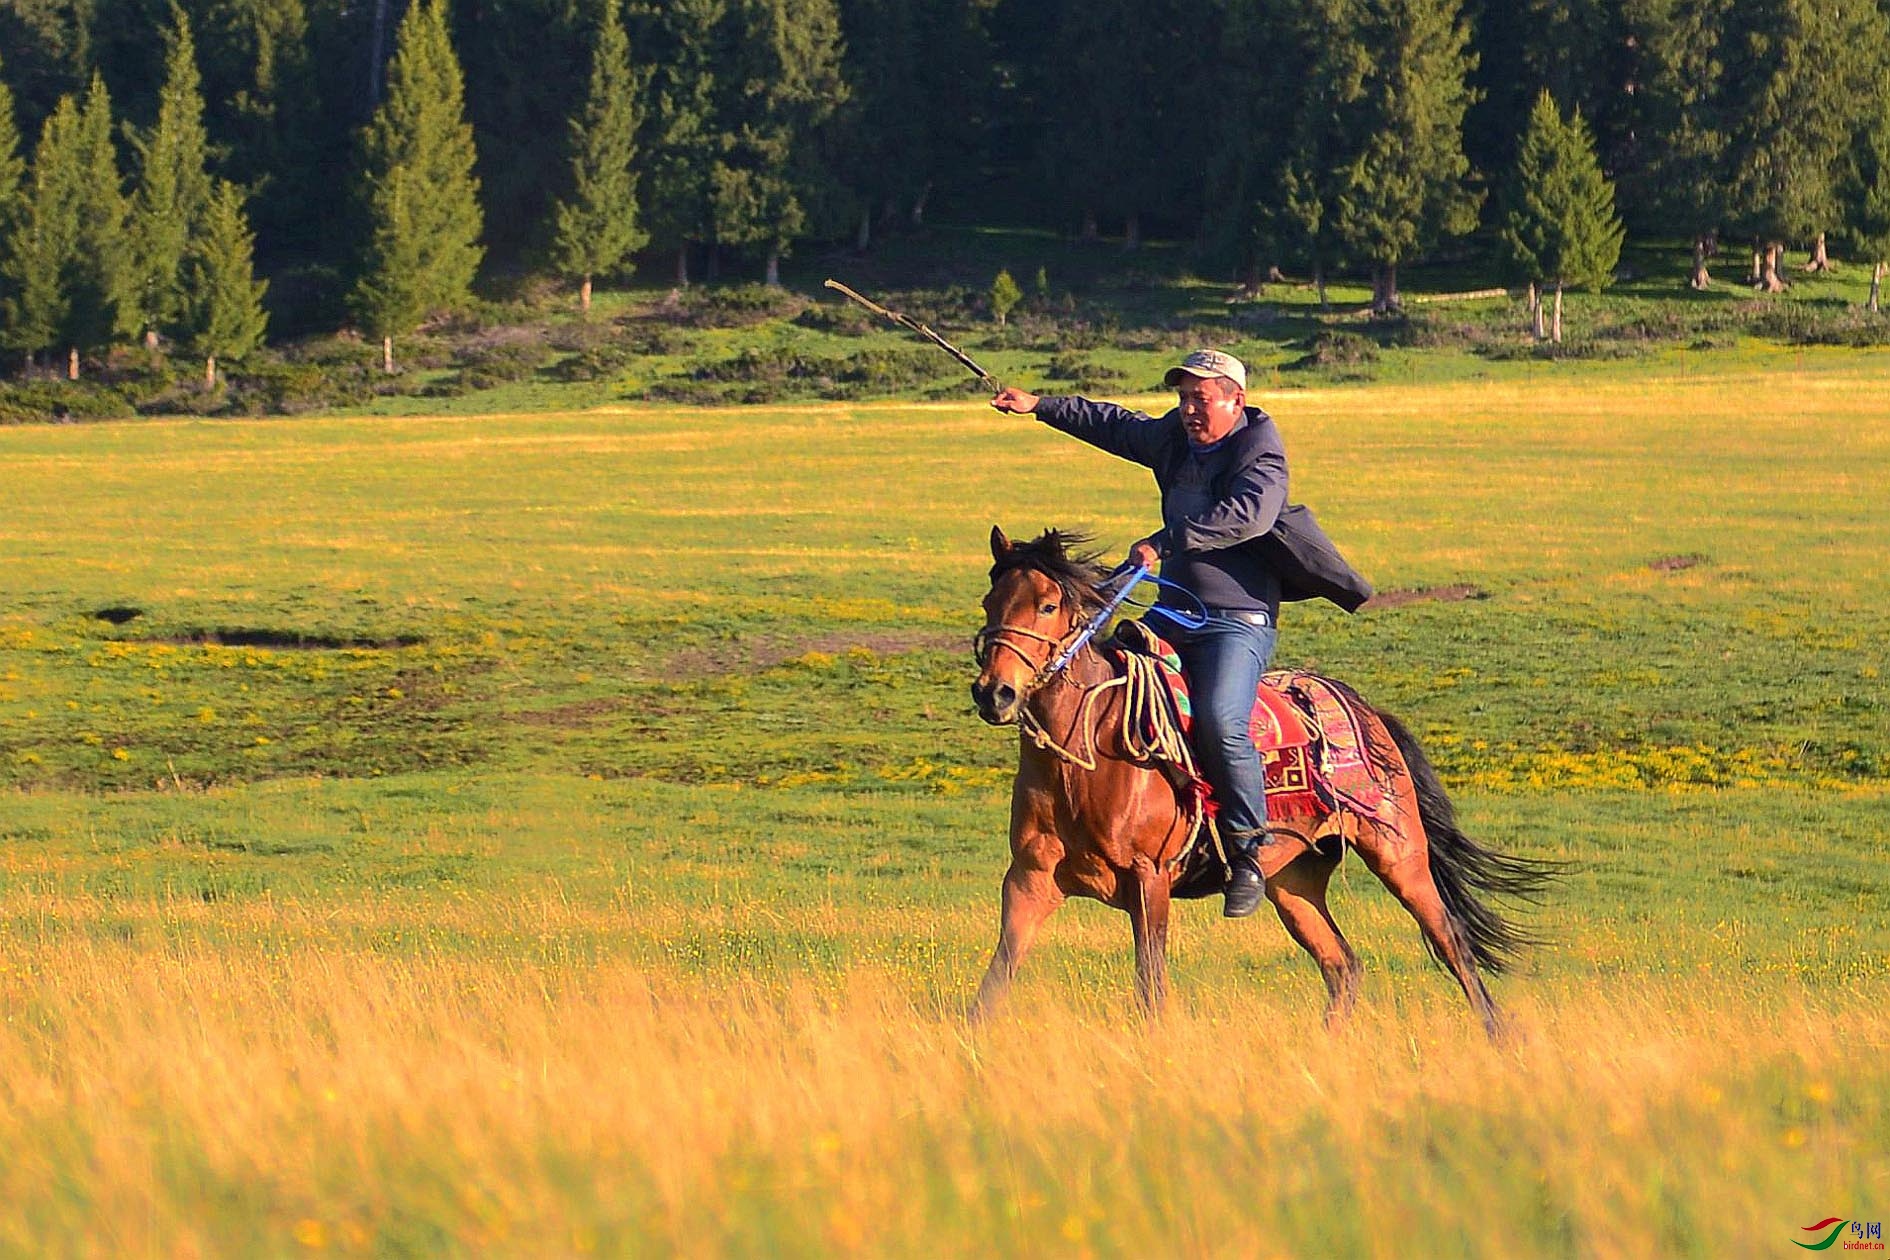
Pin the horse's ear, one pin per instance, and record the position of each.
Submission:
(999, 543)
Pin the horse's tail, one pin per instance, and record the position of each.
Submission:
(1461, 868)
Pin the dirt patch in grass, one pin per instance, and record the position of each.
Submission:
(751, 655)
(579, 713)
(286, 640)
(1426, 594)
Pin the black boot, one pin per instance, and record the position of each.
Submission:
(1246, 887)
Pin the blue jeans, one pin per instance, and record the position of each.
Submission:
(1224, 660)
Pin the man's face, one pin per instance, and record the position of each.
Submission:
(1210, 407)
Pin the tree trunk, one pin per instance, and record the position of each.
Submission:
(584, 296)
(1535, 310)
(1819, 260)
(863, 239)
(1385, 299)
(1132, 232)
(1250, 283)
(1876, 286)
(1757, 278)
(1702, 249)
(1319, 283)
(1769, 279)
(711, 262)
(773, 280)
(72, 364)
(1555, 334)
(210, 371)
(387, 355)
(1088, 232)
(682, 265)
(918, 205)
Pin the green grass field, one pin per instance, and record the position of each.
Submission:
(566, 834)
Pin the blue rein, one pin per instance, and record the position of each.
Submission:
(1132, 576)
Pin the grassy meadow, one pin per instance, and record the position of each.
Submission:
(568, 834)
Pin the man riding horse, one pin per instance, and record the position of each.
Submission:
(1228, 537)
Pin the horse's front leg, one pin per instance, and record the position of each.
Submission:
(1030, 894)
(1148, 915)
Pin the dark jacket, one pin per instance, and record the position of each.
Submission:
(1228, 533)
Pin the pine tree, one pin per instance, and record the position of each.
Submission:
(50, 47)
(44, 236)
(1403, 182)
(423, 201)
(1866, 193)
(785, 84)
(526, 64)
(12, 165)
(223, 316)
(686, 39)
(888, 122)
(12, 169)
(597, 227)
(1576, 49)
(1559, 224)
(173, 187)
(1799, 76)
(1677, 177)
(260, 85)
(96, 274)
(1111, 97)
(1312, 125)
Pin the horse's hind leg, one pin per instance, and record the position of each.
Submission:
(1029, 897)
(1298, 893)
(1148, 915)
(1401, 861)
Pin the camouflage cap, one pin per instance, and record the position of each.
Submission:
(1205, 363)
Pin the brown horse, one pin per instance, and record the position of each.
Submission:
(1093, 816)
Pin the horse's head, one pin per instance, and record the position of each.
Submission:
(1041, 596)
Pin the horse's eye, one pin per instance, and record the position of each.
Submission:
(1048, 609)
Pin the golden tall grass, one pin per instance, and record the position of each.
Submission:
(171, 1088)
(509, 1010)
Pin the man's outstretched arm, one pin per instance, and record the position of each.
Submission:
(1129, 434)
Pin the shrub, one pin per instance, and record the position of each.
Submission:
(28, 402)
(842, 318)
(1088, 377)
(289, 387)
(487, 365)
(1331, 348)
(734, 306)
(596, 363)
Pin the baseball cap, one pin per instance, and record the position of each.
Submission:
(1209, 363)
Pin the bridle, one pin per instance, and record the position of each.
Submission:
(990, 638)
(1062, 651)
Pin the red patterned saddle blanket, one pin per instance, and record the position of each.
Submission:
(1307, 729)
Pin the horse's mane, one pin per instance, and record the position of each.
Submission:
(1064, 558)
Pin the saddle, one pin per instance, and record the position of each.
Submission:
(1307, 729)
